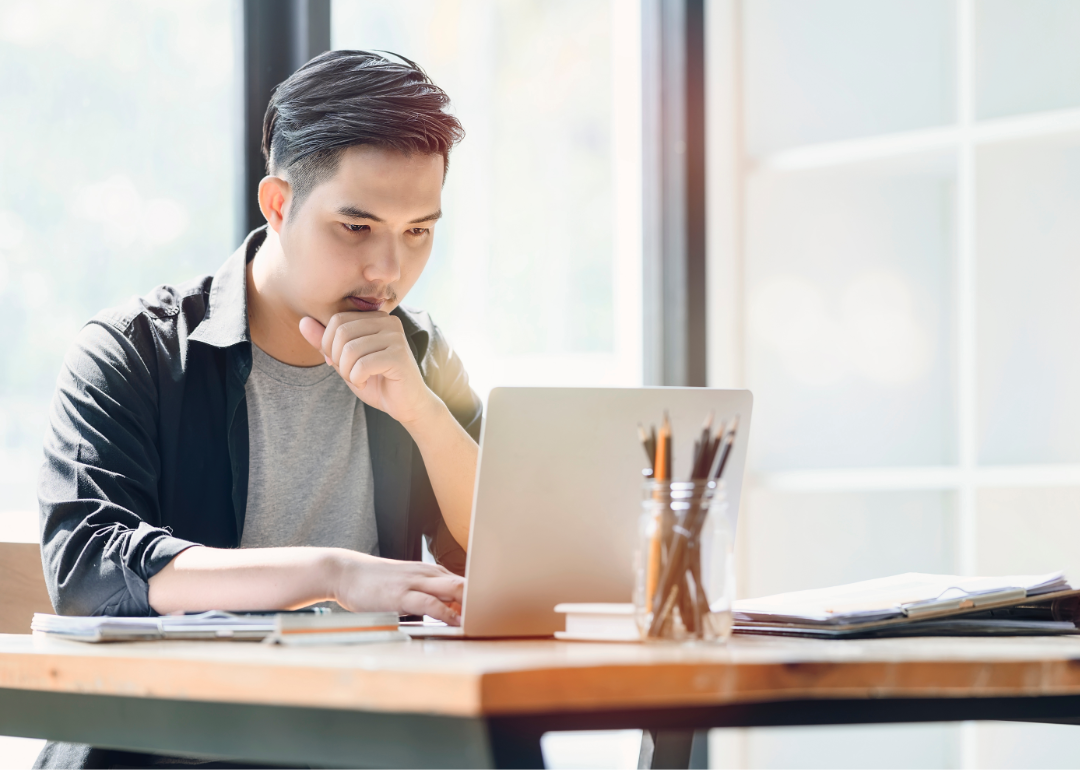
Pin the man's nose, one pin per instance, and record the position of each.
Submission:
(384, 263)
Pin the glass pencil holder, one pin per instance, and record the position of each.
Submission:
(684, 565)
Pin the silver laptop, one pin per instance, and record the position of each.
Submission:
(558, 494)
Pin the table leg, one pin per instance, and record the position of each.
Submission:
(515, 744)
(674, 749)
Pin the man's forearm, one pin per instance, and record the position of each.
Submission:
(450, 456)
(201, 578)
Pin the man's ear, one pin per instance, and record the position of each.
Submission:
(274, 195)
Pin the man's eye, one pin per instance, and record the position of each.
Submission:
(420, 231)
(355, 228)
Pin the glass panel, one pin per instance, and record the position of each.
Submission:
(1027, 531)
(528, 276)
(20, 752)
(836, 69)
(1026, 56)
(849, 344)
(909, 746)
(593, 749)
(801, 540)
(1028, 220)
(120, 171)
(1002, 745)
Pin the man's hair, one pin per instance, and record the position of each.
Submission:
(342, 99)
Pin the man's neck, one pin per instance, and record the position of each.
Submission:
(275, 327)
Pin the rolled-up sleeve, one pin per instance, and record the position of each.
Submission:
(447, 378)
(98, 488)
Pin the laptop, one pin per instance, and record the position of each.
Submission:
(558, 496)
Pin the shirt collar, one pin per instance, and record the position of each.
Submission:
(226, 322)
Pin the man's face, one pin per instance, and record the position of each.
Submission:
(360, 240)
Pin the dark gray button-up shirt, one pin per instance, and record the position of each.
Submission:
(147, 448)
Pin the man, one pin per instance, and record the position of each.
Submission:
(285, 432)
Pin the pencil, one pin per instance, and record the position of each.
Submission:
(660, 469)
(701, 447)
(650, 451)
(666, 429)
(729, 441)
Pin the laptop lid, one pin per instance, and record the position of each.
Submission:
(558, 495)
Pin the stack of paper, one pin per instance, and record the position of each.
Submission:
(913, 604)
(206, 625)
(302, 627)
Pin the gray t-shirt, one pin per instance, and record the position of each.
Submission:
(309, 474)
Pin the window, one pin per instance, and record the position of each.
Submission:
(895, 192)
(120, 163)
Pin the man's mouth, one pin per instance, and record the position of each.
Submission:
(365, 304)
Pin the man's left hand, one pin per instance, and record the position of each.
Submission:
(371, 353)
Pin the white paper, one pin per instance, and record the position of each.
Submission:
(891, 597)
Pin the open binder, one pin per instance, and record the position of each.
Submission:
(916, 604)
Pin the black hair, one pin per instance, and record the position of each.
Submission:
(342, 99)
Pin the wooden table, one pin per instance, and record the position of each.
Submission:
(485, 703)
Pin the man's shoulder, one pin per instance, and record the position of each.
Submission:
(164, 306)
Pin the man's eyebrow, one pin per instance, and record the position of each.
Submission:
(354, 213)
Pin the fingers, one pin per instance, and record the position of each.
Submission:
(446, 589)
(312, 331)
(346, 326)
(417, 603)
(361, 349)
(370, 365)
(346, 352)
(429, 569)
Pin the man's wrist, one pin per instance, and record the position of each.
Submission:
(430, 411)
(333, 566)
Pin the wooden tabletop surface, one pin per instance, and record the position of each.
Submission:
(488, 678)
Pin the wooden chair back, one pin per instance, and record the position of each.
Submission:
(22, 587)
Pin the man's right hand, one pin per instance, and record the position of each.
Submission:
(369, 584)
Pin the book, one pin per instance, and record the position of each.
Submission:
(337, 628)
(313, 626)
(916, 604)
(599, 623)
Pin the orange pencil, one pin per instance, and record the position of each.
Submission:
(660, 473)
